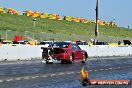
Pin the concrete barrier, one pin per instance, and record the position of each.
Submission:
(99, 51)
(13, 53)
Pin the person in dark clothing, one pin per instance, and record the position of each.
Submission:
(119, 42)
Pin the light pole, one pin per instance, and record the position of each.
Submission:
(114, 22)
(7, 34)
(34, 22)
(97, 18)
(33, 35)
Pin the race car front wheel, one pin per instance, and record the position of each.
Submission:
(71, 59)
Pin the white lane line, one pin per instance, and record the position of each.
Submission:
(110, 68)
(90, 70)
(9, 80)
(106, 69)
(114, 68)
(35, 77)
(95, 70)
(78, 72)
(44, 76)
(69, 73)
(124, 67)
(128, 66)
(1, 80)
(52, 75)
(72, 72)
(101, 69)
(58, 74)
(118, 67)
(61, 74)
(18, 78)
(25, 77)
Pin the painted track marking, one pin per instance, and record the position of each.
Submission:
(9, 80)
(61, 74)
(1, 80)
(78, 72)
(118, 67)
(18, 78)
(44, 76)
(35, 77)
(110, 68)
(106, 69)
(101, 69)
(129, 66)
(69, 73)
(52, 75)
(90, 70)
(95, 70)
(26, 78)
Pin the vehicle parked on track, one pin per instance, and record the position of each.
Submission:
(66, 52)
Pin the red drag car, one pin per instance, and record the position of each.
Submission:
(66, 52)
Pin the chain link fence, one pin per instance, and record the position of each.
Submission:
(43, 36)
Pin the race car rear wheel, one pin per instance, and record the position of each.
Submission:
(47, 62)
(63, 61)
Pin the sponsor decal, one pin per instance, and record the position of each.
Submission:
(84, 80)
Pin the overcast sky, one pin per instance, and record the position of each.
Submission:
(120, 10)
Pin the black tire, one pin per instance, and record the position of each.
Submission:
(63, 61)
(71, 59)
